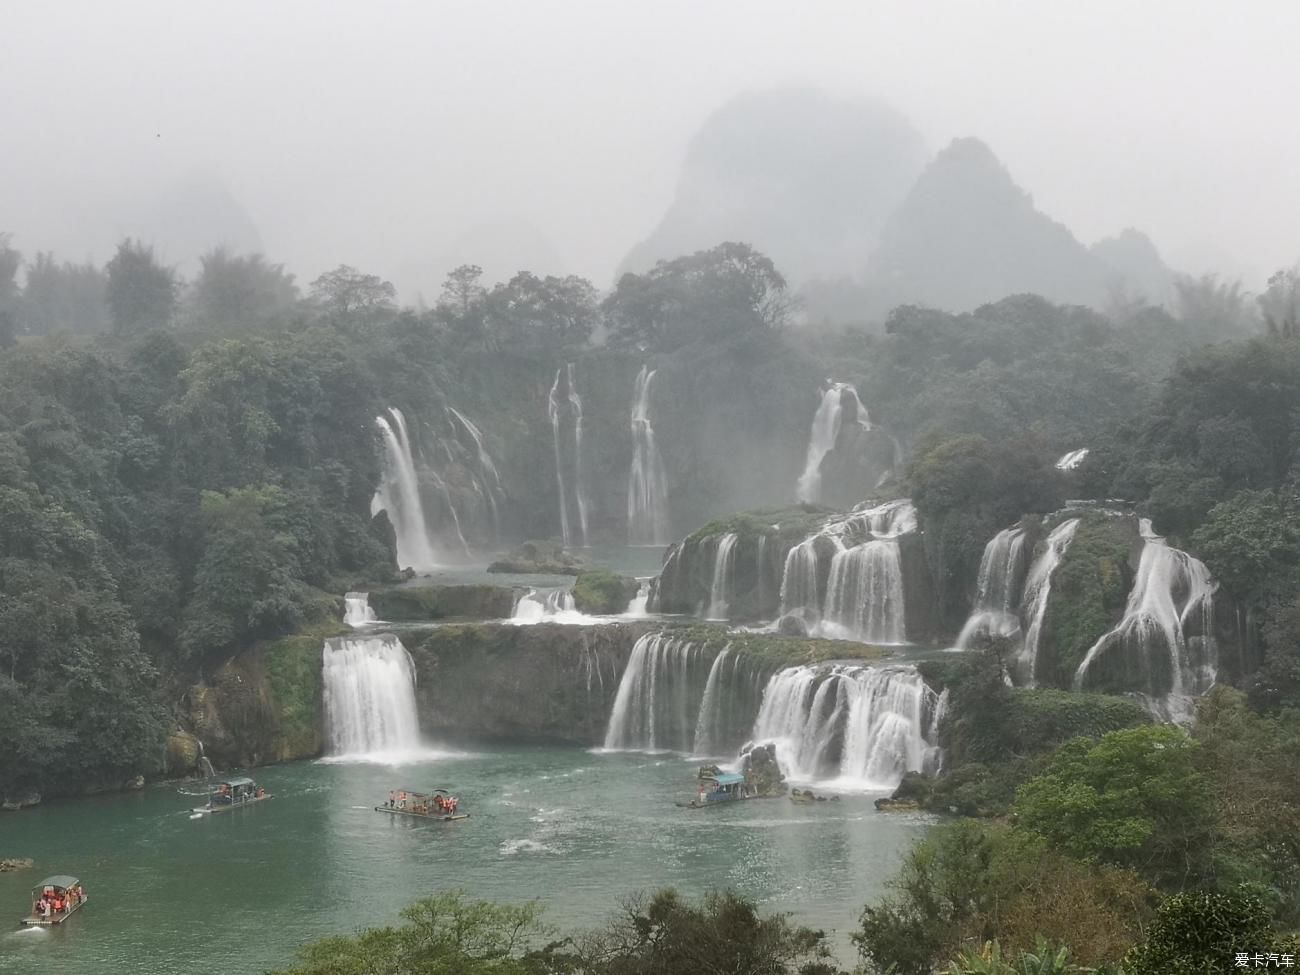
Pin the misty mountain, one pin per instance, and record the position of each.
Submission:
(803, 176)
(187, 218)
(967, 234)
(1135, 270)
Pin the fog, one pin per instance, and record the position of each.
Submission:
(405, 138)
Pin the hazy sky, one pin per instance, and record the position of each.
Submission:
(403, 137)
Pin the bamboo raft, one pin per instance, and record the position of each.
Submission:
(37, 920)
(224, 807)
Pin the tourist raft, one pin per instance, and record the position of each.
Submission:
(438, 805)
(233, 794)
(719, 787)
(54, 900)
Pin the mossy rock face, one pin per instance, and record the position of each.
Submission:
(540, 558)
(182, 754)
(1090, 589)
(417, 604)
(603, 593)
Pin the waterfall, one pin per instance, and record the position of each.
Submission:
(864, 593)
(399, 495)
(637, 607)
(1163, 648)
(369, 697)
(551, 606)
(647, 486)
(760, 561)
(489, 478)
(657, 698)
(724, 570)
(1072, 460)
(455, 518)
(997, 589)
(821, 438)
(553, 410)
(1038, 588)
(579, 487)
(357, 611)
(707, 725)
(854, 726)
(864, 598)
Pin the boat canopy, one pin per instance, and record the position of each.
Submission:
(241, 780)
(728, 778)
(61, 882)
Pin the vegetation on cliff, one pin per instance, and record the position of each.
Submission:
(603, 593)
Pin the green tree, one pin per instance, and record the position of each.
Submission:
(1135, 798)
(549, 316)
(1280, 303)
(345, 292)
(1251, 542)
(64, 297)
(1213, 308)
(240, 292)
(1199, 933)
(141, 292)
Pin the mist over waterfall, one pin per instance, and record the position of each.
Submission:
(1038, 588)
(487, 478)
(369, 692)
(647, 487)
(572, 491)
(855, 727)
(864, 598)
(821, 438)
(997, 595)
(357, 611)
(1164, 646)
(399, 495)
(724, 572)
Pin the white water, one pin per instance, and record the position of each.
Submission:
(579, 489)
(491, 480)
(357, 611)
(850, 727)
(1166, 635)
(1073, 459)
(724, 571)
(707, 733)
(864, 598)
(399, 495)
(647, 486)
(652, 708)
(369, 696)
(997, 595)
(821, 438)
(1038, 588)
(549, 606)
(637, 607)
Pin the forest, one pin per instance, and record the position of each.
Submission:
(187, 469)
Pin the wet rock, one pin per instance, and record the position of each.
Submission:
(890, 804)
(540, 558)
(182, 754)
(763, 772)
(18, 863)
(21, 800)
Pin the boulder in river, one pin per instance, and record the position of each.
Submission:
(540, 558)
(763, 772)
(17, 863)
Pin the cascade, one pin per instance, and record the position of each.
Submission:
(732, 694)
(399, 495)
(455, 518)
(488, 476)
(551, 606)
(1163, 648)
(1038, 588)
(357, 611)
(579, 488)
(821, 438)
(997, 590)
(724, 570)
(864, 593)
(658, 696)
(369, 697)
(864, 598)
(647, 487)
(636, 608)
(858, 727)
(1072, 460)
(760, 562)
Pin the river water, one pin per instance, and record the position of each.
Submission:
(240, 892)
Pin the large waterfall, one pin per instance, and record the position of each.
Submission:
(657, 703)
(647, 484)
(399, 495)
(1038, 589)
(857, 727)
(724, 572)
(864, 598)
(370, 698)
(821, 438)
(1163, 647)
(997, 595)
(555, 412)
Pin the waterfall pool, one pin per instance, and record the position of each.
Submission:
(577, 829)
